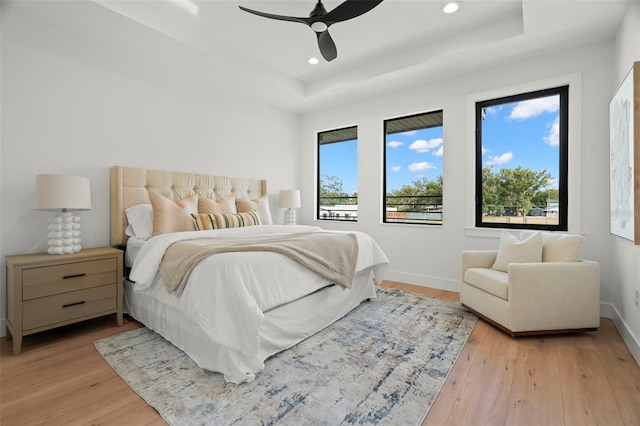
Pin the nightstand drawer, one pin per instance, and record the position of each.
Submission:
(63, 307)
(49, 280)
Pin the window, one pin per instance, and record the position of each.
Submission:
(522, 161)
(413, 169)
(338, 175)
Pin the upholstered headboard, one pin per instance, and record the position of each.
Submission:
(131, 186)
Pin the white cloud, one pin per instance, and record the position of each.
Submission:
(553, 138)
(394, 144)
(534, 107)
(396, 168)
(421, 145)
(491, 110)
(409, 133)
(418, 167)
(439, 152)
(500, 159)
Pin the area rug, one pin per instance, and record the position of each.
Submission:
(384, 363)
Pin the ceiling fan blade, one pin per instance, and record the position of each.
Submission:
(278, 17)
(327, 46)
(348, 10)
(319, 21)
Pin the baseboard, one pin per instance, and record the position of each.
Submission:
(608, 310)
(424, 280)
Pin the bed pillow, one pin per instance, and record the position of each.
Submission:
(515, 250)
(205, 221)
(560, 247)
(225, 204)
(261, 205)
(140, 218)
(169, 216)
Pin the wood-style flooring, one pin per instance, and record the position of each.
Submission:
(583, 379)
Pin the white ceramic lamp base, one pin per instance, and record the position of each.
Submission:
(290, 217)
(65, 233)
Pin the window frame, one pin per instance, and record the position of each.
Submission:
(319, 172)
(384, 166)
(563, 156)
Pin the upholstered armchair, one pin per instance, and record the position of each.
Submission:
(537, 284)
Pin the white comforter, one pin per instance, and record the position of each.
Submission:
(228, 293)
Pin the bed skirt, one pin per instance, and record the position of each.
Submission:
(282, 328)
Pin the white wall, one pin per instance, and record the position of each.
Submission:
(430, 256)
(625, 256)
(80, 107)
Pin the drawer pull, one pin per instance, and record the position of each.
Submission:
(73, 276)
(73, 304)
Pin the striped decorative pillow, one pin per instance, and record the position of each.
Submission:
(205, 221)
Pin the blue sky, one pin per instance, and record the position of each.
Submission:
(523, 134)
(520, 133)
(414, 155)
(341, 159)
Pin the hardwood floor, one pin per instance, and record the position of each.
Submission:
(584, 379)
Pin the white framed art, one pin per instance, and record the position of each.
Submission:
(624, 157)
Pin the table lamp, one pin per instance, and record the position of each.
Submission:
(64, 195)
(289, 199)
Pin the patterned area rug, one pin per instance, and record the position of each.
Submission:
(384, 363)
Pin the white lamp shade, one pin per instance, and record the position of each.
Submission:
(61, 192)
(289, 199)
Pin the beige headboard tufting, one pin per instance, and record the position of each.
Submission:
(131, 186)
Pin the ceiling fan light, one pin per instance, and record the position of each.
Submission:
(319, 26)
(451, 7)
(313, 60)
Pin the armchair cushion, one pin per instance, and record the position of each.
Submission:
(518, 250)
(493, 282)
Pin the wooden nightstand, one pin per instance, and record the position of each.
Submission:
(47, 291)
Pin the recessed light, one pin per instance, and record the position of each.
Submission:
(451, 7)
(313, 60)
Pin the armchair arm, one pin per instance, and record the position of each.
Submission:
(549, 294)
(478, 259)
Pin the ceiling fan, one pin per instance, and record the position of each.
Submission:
(320, 20)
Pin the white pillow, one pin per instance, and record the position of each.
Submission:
(515, 250)
(560, 247)
(140, 218)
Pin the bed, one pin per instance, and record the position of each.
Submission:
(236, 307)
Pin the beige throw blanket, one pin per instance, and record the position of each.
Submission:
(331, 255)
